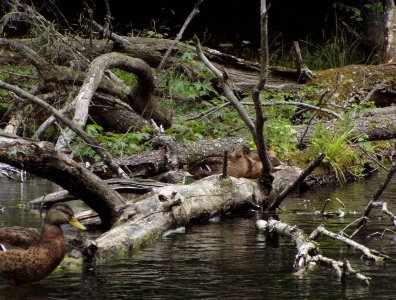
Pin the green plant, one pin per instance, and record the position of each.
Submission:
(118, 145)
(129, 78)
(340, 155)
(281, 137)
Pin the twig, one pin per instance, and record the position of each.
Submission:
(193, 13)
(300, 104)
(372, 158)
(300, 143)
(376, 88)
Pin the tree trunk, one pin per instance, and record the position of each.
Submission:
(389, 49)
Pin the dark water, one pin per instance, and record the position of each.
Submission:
(227, 259)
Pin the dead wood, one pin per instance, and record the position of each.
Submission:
(191, 16)
(138, 97)
(376, 127)
(155, 162)
(308, 253)
(281, 195)
(367, 253)
(373, 202)
(141, 94)
(174, 206)
(102, 153)
(128, 186)
(41, 159)
(389, 49)
(304, 74)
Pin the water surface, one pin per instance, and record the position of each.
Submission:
(227, 259)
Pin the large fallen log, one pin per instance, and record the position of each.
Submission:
(173, 206)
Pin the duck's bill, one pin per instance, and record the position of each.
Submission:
(77, 224)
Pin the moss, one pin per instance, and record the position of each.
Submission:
(353, 80)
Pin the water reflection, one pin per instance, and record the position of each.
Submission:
(225, 260)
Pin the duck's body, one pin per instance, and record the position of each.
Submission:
(26, 262)
(241, 163)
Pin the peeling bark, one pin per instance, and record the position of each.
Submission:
(174, 206)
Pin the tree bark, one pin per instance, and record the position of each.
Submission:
(141, 94)
(174, 206)
(389, 49)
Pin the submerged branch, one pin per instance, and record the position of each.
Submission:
(308, 253)
(367, 253)
(381, 188)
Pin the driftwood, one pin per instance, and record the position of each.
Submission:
(308, 253)
(367, 253)
(154, 162)
(174, 206)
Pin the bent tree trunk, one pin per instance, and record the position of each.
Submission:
(141, 94)
(40, 158)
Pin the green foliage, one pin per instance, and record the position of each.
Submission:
(129, 78)
(10, 72)
(281, 137)
(117, 144)
(354, 13)
(182, 86)
(218, 124)
(340, 156)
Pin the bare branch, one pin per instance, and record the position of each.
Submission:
(228, 92)
(321, 230)
(102, 153)
(277, 199)
(381, 188)
(308, 252)
(193, 13)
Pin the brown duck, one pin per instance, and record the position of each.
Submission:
(30, 255)
(242, 163)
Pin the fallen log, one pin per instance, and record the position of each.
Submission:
(174, 206)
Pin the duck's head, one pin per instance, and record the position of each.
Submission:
(62, 213)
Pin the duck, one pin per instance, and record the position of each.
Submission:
(29, 254)
(242, 162)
